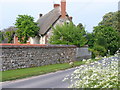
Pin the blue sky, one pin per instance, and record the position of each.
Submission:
(87, 12)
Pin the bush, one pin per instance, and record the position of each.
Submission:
(107, 37)
(68, 34)
(98, 50)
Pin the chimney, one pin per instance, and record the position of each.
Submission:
(56, 5)
(71, 17)
(63, 8)
(40, 15)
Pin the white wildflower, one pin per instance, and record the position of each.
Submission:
(71, 63)
(96, 57)
(84, 60)
(98, 75)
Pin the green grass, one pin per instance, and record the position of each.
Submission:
(34, 71)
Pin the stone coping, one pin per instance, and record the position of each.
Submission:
(35, 46)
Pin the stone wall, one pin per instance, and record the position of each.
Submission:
(24, 56)
(83, 53)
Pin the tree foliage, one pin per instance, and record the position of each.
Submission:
(26, 28)
(80, 25)
(98, 50)
(68, 34)
(1, 36)
(9, 34)
(111, 19)
(107, 37)
(91, 38)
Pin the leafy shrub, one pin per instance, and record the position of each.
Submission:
(107, 37)
(1, 36)
(68, 34)
(98, 50)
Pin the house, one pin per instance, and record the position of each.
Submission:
(57, 16)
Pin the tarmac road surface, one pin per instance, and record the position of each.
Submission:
(51, 80)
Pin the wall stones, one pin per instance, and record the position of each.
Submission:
(23, 56)
(20, 56)
(83, 53)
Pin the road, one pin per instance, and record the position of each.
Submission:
(51, 80)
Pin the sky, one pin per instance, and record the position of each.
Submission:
(87, 12)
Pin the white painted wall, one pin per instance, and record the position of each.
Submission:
(35, 40)
(42, 40)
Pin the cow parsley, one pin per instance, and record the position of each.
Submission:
(101, 74)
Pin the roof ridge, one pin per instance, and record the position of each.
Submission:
(48, 19)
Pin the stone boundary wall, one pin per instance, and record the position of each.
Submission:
(25, 55)
(83, 53)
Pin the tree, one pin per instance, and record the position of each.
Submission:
(107, 37)
(80, 25)
(68, 34)
(9, 33)
(26, 28)
(1, 36)
(111, 19)
(90, 38)
(119, 21)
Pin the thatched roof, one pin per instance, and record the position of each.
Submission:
(45, 22)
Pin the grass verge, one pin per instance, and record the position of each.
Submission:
(34, 71)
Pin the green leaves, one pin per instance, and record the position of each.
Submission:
(107, 34)
(111, 19)
(107, 37)
(68, 34)
(26, 28)
(1, 36)
(9, 35)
